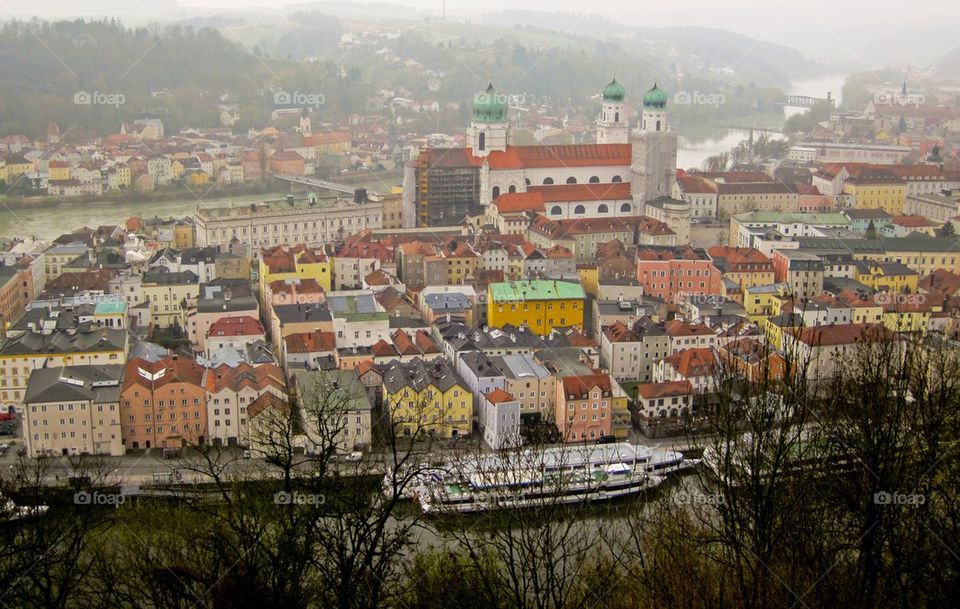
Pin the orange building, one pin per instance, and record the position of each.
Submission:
(287, 162)
(163, 404)
(583, 407)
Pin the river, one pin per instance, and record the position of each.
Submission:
(694, 148)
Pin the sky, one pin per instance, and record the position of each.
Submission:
(885, 31)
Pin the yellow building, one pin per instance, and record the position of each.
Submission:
(891, 277)
(886, 193)
(427, 398)
(24, 353)
(589, 278)
(182, 236)
(541, 305)
(59, 170)
(197, 178)
(17, 166)
(393, 211)
(762, 301)
(169, 295)
(907, 318)
(299, 262)
(176, 168)
(921, 253)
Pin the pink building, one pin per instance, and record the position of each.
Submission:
(583, 407)
(674, 274)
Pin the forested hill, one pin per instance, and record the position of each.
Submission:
(43, 65)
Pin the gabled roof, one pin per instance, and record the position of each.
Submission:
(652, 391)
(694, 362)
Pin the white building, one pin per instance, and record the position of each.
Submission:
(500, 419)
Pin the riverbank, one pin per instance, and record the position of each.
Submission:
(156, 196)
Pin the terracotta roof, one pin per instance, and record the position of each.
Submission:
(652, 391)
(584, 383)
(239, 325)
(518, 202)
(677, 328)
(311, 342)
(265, 401)
(244, 375)
(573, 155)
(582, 192)
(694, 362)
(377, 278)
(498, 396)
(911, 221)
(171, 369)
(941, 281)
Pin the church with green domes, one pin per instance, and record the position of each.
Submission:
(615, 177)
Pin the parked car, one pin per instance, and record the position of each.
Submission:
(354, 456)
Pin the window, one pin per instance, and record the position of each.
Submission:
(496, 192)
(602, 208)
(594, 180)
(483, 141)
(555, 210)
(571, 180)
(579, 210)
(625, 208)
(547, 181)
(616, 179)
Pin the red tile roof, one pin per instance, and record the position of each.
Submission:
(239, 325)
(694, 362)
(652, 391)
(311, 342)
(519, 202)
(573, 155)
(498, 396)
(583, 192)
(584, 383)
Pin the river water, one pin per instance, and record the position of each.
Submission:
(48, 223)
(694, 149)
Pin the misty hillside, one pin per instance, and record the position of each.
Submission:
(948, 65)
(176, 73)
(690, 49)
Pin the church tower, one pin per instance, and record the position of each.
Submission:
(612, 126)
(489, 129)
(654, 151)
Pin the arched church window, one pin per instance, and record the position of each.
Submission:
(555, 210)
(579, 210)
(625, 208)
(602, 208)
(571, 180)
(496, 192)
(483, 141)
(547, 181)
(616, 179)
(594, 180)
(512, 188)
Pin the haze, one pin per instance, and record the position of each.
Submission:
(821, 29)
